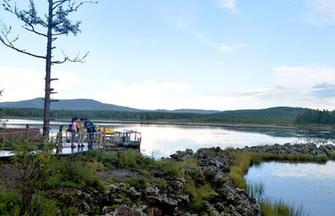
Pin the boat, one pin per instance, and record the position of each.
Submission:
(123, 138)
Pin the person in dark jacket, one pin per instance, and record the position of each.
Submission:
(91, 130)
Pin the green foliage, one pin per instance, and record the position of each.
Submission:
(279, 209)
(49, 186)
(129, 159)
(256, 190)
(9, 203)
(278, 115)
(332, 155)
(199, 193)
(43, 206)
(137, 182)
(316, 117)
(65, 173)
(169, 168)
(32, 168)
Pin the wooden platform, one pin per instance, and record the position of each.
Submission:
(13, 133)
(66, 150)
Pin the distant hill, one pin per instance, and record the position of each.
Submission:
(88, 104)
(72, 104)
(276, 115)
(192, 111)
(96, 110)
(269, 114)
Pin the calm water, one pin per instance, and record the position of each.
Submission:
(311, 186)
(163, 140)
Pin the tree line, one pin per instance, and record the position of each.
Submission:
(316, 117)
(222, 117)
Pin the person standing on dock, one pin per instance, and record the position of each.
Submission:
(91, 130)
(74, 131)
(81, 132)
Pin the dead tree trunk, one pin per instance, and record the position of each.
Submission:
(47, 90)
(56, 23)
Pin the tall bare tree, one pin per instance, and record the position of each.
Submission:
(53, 24)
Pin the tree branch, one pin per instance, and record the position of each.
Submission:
(4, 38)
(32, 29)
(28, 17)
(77, 59)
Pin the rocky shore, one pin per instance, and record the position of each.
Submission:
(214, 163)
(309, 149)
(127, 183)
(226, 198)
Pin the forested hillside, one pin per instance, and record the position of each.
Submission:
(277, 115)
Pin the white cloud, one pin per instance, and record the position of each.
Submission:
(231, 48)
(230, 5)
(292, 86)
(321, 12)
(303, 77)
(19, 83)
(222, 47)
(147, 94)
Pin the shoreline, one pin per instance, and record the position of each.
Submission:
(197, 124)
(209, 181)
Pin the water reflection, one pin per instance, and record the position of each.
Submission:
(163, 140)
(305, 184)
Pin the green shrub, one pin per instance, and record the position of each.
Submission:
(169, 168)
(137, 182)
(72, 173)
(9, 203)
(332, 155)
(43, 206)
(199, 193)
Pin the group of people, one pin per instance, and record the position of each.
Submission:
(78, 129)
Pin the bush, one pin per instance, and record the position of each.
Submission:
(199, 193)
(43, 206)
(9, 203)
(72, 173)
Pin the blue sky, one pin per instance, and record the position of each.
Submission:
(208, 54)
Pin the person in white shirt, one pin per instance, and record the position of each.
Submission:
(74, 131)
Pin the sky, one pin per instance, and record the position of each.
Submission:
(200, 54)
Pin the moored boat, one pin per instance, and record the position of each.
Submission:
(123, 138)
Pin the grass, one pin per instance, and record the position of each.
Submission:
(9, 203)
(332, 155)
(268, 208)
(279, 208)
(256, 190)
(199, 193)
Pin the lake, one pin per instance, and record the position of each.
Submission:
(307, 185)
(163, 140)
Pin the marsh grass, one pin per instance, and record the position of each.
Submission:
(268, 208)
(256, 190)
(279, 208)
